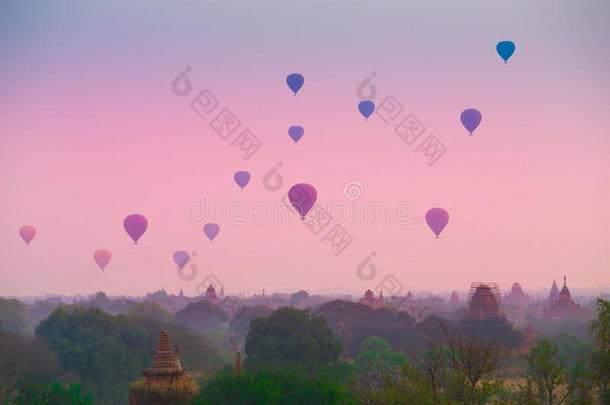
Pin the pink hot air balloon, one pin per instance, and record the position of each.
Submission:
(102, 257)
(135, 225)
(27, 233)
(437, 219)
(302, 197)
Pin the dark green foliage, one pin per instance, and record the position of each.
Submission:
(201, 316)
(50, 394)
(12, 315)
(496, 328)
(273, 388)
(291, 338)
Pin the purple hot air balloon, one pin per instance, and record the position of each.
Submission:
(242, 179)
(302, 197)
(27, 233)
(181, 258)
(366, 108)
(437, 219)
(471, 119)
(135, 225)
(102, 257)
(211, 230)
(295, 133)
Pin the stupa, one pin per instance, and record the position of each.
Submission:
(165, 382)
(516, 296)
(564, 306)
(484, 301)
(554, 294)
(370, 300)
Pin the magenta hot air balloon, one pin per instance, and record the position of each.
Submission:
(181, 258)
(437, 219)
(242, 178)
(211, 231)
(27, 233)
(302, 197)
(135, 225)
(102, 257)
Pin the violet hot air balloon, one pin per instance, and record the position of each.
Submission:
(27, 233)
(211, 231)
(181, 258)
(302, 197)
(471, 119)
(102, 257)
(295, 133)
(135, 225)
(437, 219)
(242, 179)
(295, 82)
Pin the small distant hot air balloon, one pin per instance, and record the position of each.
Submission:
(295, 133)
(181, 258)
(211, 230)
(471, 119)
(135, 225)
(366, 108)
(27, 233)
(295, 82)
(302, 197)
(242, 179)
(437, 219)
(102, 257)
(505, 49)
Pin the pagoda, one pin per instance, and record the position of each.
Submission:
(529, 339)
(564, 306)
(455, 298)
(554, 294)
(516, 296)
(210, 295)
(484, 301)
(370, 300)
(164, 382)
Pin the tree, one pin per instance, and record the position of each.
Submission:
(151, 309)
(546, 374)
(291, 338)
(50, 394)
(12, 315)
(600, 362)
(201, 316)
(376, 361)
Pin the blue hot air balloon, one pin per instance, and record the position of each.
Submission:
(295, 82)
(366, 108)
(505, 49)
(296, 132)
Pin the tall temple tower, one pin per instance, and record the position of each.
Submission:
(164, 383)
(563, 306)
(484, 301)
(554, 294)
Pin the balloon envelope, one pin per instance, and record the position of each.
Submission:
(242, 179)
(471, 119)
(296, 132)
(366, 108)
(211, 230)
(135, 225)
(102, 257)
(27, 233)
(295, 82)
(437, 219)
(505, 49)
(302, 197)
(181, 258)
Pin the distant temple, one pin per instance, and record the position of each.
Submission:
(517, 297)
(529, 340)
(563, 306)
(210, 295)
(164, 383)
(484, 301)
(370, 300)
(554, 294)
(455, 298)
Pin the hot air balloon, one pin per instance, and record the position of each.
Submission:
(135, 225)
(437, 219)
(181, 258)
(242, 179)
(295, 82)
(505, 49)
(211, 230)
(471, 119)
(302, 197)
(27, 233)
(366, 108)
(102, 257)
(295, 133)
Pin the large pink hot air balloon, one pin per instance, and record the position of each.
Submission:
(437, 219)
(102, 257)
(302, 197)
(27, 233)
(135, 225)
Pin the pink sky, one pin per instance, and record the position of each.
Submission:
(90, 132)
